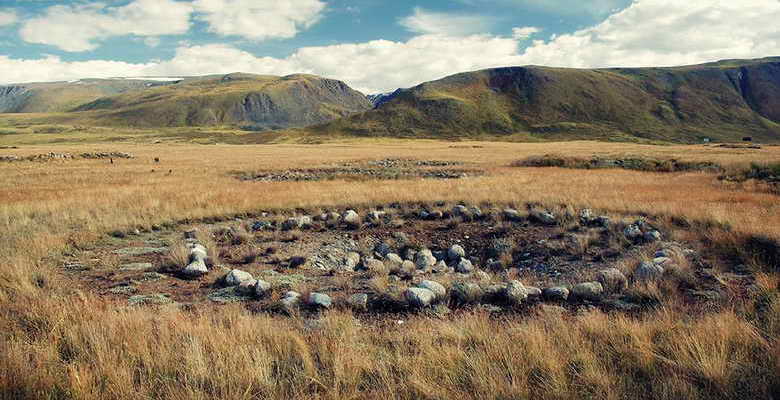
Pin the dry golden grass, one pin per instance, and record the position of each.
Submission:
(58, 342)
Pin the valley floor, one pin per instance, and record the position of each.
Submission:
(62, 340)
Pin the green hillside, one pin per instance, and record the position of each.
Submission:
(723, 101)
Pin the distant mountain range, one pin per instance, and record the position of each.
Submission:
(724, 100)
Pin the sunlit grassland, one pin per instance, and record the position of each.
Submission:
(58, 342)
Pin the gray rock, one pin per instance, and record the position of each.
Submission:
(320, 300)
(514, 293)
(198, 251)
(534, 293)
(152, 276)
(586, 216)
(495, 265)
(358, 302)
(230, 294)
(475, 211)
(196, 268)
(262, 288)
(591, 291)
(135, 266)
(408, 266)
(393, 262)
(351, 218)
(512, 214)
(662, 261)
(440, 267)
(374, 265)
(602, 221)
(351, 261)
(191, 234)
(558, 293)
(466, 293)
(437, 288)
(652, 236)
(376, 216)
(382, 249)
(460, 211)
(464, 266)
(647, 272)
(304, 221)
(455, 253)
(290, 224)
(424, 259)
(125, 289)
(632, 232)
(419, 297)
(663, 253)
(612, 280)
(544, 217)
(423, 214)
(620, 305)
(499, 246)
(236, 277)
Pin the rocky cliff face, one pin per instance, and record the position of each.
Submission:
(12, 98)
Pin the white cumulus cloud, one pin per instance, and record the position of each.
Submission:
(259, 19)
(648, 33)
(427, 22)
(81, 27)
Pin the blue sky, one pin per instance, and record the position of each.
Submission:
(373, 45)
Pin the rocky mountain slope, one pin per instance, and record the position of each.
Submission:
(254, 102)
(722, 101)
(65, 96)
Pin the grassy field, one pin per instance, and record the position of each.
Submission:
(60, 342)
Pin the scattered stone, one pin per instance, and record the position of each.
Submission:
(290, 224)
(514, 293)
(464, 266)
(358, 302)
(498, 247)
(602, 221)
(191, 234)
(382, 249)
(419, 297)
(393, 262)
(236, 277)
(352, 260)
(261, 226)
(320, 300)
(475, 211)
(424, 260)
(612, 280)
(152, 276)
(455, 253)
(591, 291)
(196, 268)
(437, 288)
(632, 232)
(558, 293)
(648, 271)
(534, 293)
(620, 305)
(291, 300)
(544, 217)
(512, 214)
(262, 288)
(465, 293)
(351, 218)
(652, 236)
(440, 267)
(460, 211)
(230, 294)
(374, 265)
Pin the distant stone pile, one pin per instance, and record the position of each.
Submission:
(45, 157)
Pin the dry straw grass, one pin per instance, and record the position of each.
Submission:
(59, 342)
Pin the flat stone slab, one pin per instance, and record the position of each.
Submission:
(135, 266)
(141, 251)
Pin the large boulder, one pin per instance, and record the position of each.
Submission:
(455, 253)
(236, 277)
(419, 297)
(647, 272)
(247, 288)
(612, 280)
(435, 287)
(591, 291)
(424, 259)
